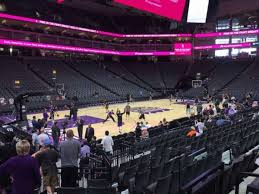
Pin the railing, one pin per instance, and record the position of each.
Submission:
(12, 34)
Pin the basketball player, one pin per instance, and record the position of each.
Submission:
(150, 96)
(106, 105)
(171, 99)
(109, 115)
(53, 108)
(119, 116)
(127, 110)
(141, 114)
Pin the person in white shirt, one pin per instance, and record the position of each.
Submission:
(107, 143)
(200, 126)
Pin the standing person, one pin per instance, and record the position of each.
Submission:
(119, 119)
(42, 137)
(138, 131)
(23, 169)
(199, 109)
(89, 133)
(171, 99)
(127, 110)
(69, 153)
(52, 112)
(55, 134)
(71, 110)
(107, 143)
(109, 115)
(141, 114)
(200, 126)
(80, 126)
(47, 159)
(150, 96)
(45, 115)
(106, 106)
(34, 123)
(188, 109)
(35, 139)
(74, 112)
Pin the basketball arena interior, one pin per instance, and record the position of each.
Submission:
(129, 97)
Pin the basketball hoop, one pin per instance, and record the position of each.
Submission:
(196, 83)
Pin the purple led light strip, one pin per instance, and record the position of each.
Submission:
(80, 49)
(25, 19)
(230, 33)
(119, 53)
(202, 35)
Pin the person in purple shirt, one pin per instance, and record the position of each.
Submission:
(23, 170)
(109, 115)
(45, 114)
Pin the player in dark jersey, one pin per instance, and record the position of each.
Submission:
(106, 106)
(141, 114)
(127, 110)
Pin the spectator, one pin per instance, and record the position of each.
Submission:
(144, 131)
(148, 125)
(85, 150)
(188, 109)
(55, 134)
(200, 126)
(192, 132)
(199, 109)
(23, 169)
(89, 133)
(107, 143)
(93, 144)
(165, 123)
(47, 159)
(80, 126)
(69, 152)
(35, 139)
(34, 123)
(138, 131)
(42, 137)
(45, 114)
(84, 154)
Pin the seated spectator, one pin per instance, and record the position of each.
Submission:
(23, 169)
(192, 132)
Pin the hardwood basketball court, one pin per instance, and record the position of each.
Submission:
(159, 109)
